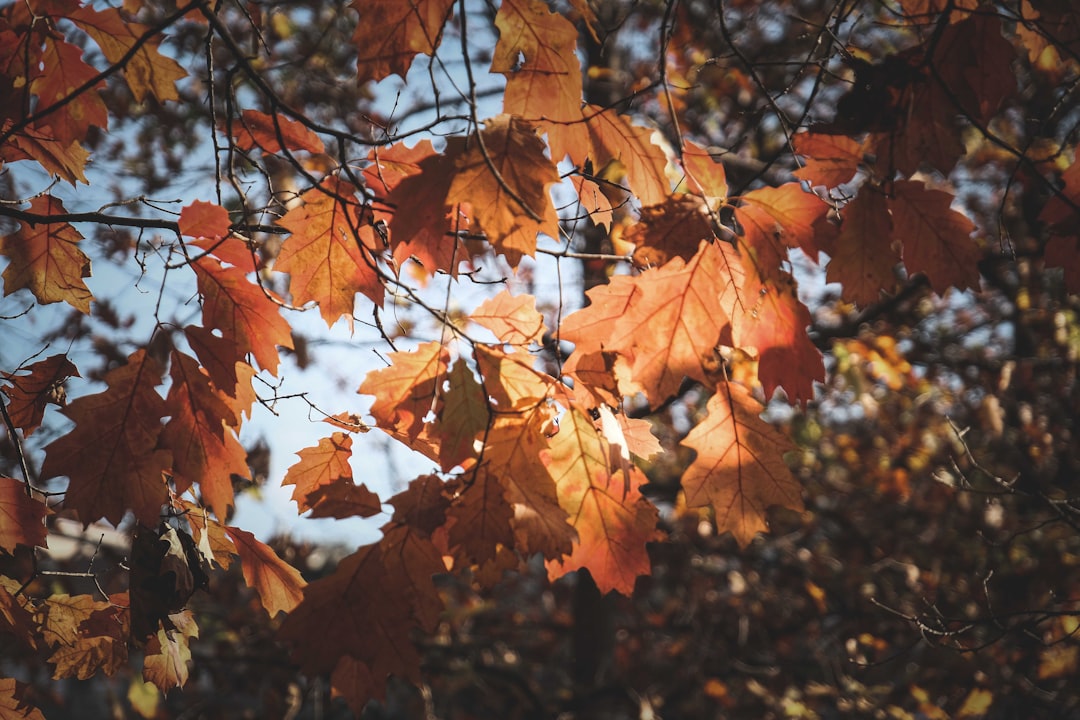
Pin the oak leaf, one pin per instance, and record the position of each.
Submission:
(480, 519)
(784, 217)
(936, 239)
(863, 258)
(200, 435)
(407, 391)
(674, 228)
(615, 138)
(343, 498)
(322, 465)
(391, 33)
(12, 704)
(504, 175)
(831, 160)
(168, 654)
(464, 414)
(330, 255)
(64, 72)
(513, 318)
(204, 220)
(739, 469)
(242, 311)
(22, 517)
(537, 52)
(148, 71)
(46, 260)
(109, 455)
(275, 134)
(36, 143)
(612, 519)
(593, 201)
(101, 644)
(705, 176)
(279, 584)
(29, 394)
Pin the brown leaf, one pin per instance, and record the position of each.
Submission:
(29, 394)
(22, 517)
(109, 455)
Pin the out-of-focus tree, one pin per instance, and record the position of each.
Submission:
(645, 281)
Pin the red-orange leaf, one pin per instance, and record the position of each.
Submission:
(109, 454)
(831, 160)
(321, 465)
(46, 260)
(167, 655)
(22, 518)
(863, 258)
(674, 228)
(612, 519)
(461, 419)
(36, 143)
(242, 311)
(614, 138)
(278, 583)
(593, 201)
(537, 52)
(204, 220)
(739, 469)
(937, 239)
(513, 318)
(29, 394)
(391, 33)
(506, 183)
(200, 435)
(785, 216)
(776, 326)
(275, 133)
(480, 519)
(405, 392)
(705, 176)
(64, 72)
(330, 255)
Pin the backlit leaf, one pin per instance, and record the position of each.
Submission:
(391, 33)
(739, 470)
(27, 395)
(22, 517)
(278, 583)
(46, 260)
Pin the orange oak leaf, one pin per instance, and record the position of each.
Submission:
(593, 201)
(739, 469)
(504, 175)
(615, 138)
(863, 259)
(148, 71)
(590, 327)
(13, 706)
(22, 517)
(343, 498)
(612, 519)
(391, 33)
(464, 414)
(406, 391)
(537, 52)
(29, 394)
(36, 143)
(63, 71)
(275, 134)
(417, 181)
(46, 260)
(974, 62)
(480, 519)
(511, 380)
(513, 318)
(109, 455)
(330, 255)
(831, 160)
(204, 220)
(242, 311)
(168, 654)
(515, 445)
(680, 304)
(704, 175)
(278, 583)
(776, 327)
(786, 216)
(324, 464)
(200, 435)
(674, 228)
(936, 239)
(208, 534)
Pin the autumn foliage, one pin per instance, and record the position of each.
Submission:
(540, 415)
